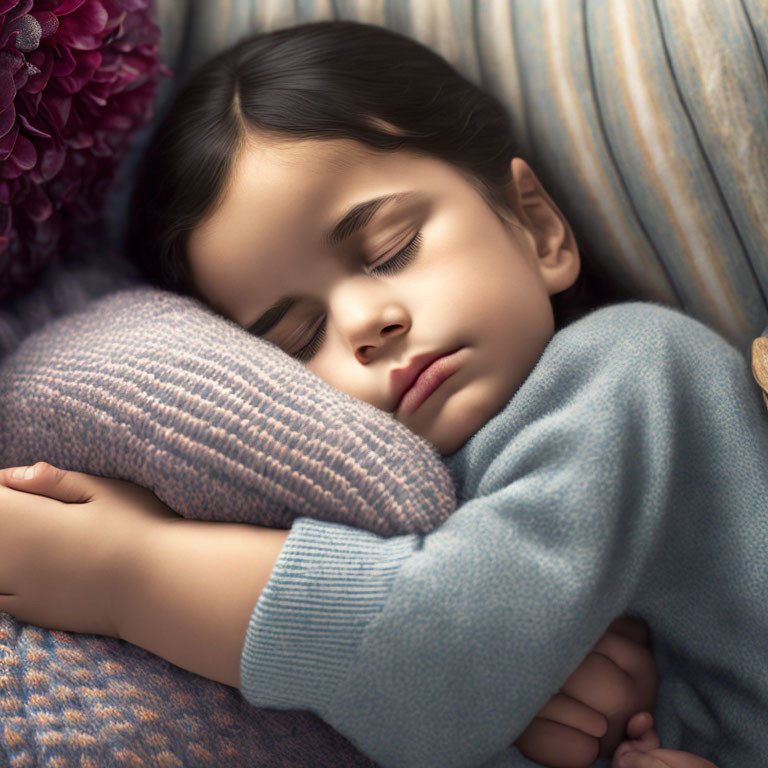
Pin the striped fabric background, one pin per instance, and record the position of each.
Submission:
(646, 119)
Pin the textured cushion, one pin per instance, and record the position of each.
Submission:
(151, 387)
(77, 701)
(646, 119)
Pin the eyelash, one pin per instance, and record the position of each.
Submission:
(398, 261)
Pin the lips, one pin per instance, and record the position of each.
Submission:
(403, 379)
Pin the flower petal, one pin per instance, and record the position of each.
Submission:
(7, 89)
(24, 153)
(8, 142)
(37, 205)
(115, 6)
(44, 64)
(51, 162)
(87, 64)
(20, 79)
(82, 30)
(25, 6)
(64, 64)
(59, 108)
(11, 61)
(49, 24)
(7, 119)
(68, 6)
(32, 130)
(43, 6)
(10, 169)
(6, 217)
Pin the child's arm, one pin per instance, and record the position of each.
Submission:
(92, 555)
(103, 556)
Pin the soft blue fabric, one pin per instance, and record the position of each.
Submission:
(627, 476)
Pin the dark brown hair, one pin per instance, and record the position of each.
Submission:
(323, 80)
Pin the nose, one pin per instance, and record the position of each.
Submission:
(369, 315)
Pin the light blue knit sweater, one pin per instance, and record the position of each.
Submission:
(627, 476)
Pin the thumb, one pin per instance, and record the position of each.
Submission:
(46, 480)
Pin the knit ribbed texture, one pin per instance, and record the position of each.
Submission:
(316, 621)
(151, 387)
(628, 475)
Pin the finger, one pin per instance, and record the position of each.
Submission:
(631, 628)
(636, 759)
(8, 604)
(556, 745)
(672, 758)
(637, 662)
(46, 480)
(639, 725)
(661, 758)
(635, 659)
(645, 741)
(567, 711)
(7, 472)
(600, 684)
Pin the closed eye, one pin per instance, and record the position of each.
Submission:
(397, 262)
(401, 258)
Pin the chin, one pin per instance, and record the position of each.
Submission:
(447, 447)
(465, 410)
(455, 429)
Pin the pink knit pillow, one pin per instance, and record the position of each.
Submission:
(151, 387)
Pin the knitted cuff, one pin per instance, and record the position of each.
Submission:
(328, 583)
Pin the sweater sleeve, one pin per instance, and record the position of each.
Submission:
(328, 585)
(329, 581)
(438, 649)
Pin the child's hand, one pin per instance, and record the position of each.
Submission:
(63, 538)
(588, 717)
(643, 749)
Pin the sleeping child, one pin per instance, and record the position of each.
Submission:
(339, 190)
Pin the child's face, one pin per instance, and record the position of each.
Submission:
(473, 286)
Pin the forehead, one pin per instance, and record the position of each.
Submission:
(280, 199)
(267, 174)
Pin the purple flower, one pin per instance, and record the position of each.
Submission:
(77, 77)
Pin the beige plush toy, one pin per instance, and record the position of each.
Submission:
(760, 364)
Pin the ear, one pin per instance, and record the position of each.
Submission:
(555, 244)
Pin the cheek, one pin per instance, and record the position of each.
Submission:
(337, 367)
(322, 366)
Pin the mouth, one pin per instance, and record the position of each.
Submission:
(426, 375)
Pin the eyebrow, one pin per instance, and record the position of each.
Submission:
(351, 222)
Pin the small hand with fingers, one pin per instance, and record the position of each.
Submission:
(587, 718)
(642, 749)
(64, 538)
